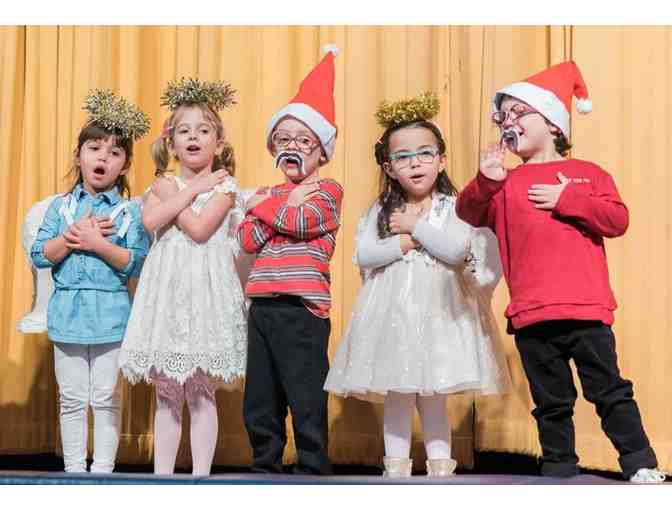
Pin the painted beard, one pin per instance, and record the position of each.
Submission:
(510, 139)
(292, 157)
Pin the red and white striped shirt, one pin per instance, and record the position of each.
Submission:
(294, 245)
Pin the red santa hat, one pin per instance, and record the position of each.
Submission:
(550, 93)
(314, 103)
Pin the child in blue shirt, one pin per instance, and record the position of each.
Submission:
(93, 239)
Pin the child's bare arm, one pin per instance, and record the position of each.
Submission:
(200, 227)
(165, 201)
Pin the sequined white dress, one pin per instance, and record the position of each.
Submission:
(189, 308)
(422, 321)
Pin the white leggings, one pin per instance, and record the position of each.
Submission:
(199, 393)
(87, 375)
(397, 424)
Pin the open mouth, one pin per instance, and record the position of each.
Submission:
(99, 170)
(510, 138)
(416, 178)
(290, 160)
(192, 149)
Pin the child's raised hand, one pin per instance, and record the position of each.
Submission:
(407, 243)
(106, 226)
(546, 196)
(492, 162)
(257, 198)
(404, 222)
(163, 188)
(84, 235)
(302, 193)
(205, 181)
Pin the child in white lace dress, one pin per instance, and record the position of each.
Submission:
(421, 328)
(187, 330)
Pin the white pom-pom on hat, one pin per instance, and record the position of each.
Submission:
(327, 48)
(584, 105)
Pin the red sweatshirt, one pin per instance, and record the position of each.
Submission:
(294, 245)
(554, 261)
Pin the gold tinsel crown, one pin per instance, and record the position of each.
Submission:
(216, 94)
(423, 107)
(116, 114)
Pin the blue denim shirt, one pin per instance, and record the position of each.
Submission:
(90, 303)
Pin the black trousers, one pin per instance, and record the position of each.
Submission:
(287, 364)
(545, 349)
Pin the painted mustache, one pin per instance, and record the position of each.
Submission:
(510, 139)
(291, 157)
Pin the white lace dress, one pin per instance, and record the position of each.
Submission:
(189, 308)
(422, 321)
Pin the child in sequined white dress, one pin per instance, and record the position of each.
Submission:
(421, 327)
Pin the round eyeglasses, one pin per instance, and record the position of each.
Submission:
(514, 114)
(304, 143)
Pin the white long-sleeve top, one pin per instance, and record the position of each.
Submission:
(441, 234)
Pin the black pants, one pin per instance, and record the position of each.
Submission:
(287, 364)
(545, 349)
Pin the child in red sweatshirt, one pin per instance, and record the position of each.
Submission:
(550, 215)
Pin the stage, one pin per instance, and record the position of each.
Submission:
(490, 468)
(50, 478)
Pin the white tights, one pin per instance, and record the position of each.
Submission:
(397, 424)
(199, 393)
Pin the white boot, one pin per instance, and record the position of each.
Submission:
(397, 467)
(441, 467)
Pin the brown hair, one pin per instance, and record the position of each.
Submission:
(93, 131)
(160, 153)
(392, 195)
(562, 144)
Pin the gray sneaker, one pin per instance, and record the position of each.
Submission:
(646, 475)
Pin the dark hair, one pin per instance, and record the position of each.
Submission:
(161, 156)
(93, 131)
(562, 145)
(392, 195)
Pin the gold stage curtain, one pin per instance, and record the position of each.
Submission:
(46, 72)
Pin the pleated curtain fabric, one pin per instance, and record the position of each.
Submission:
(45, 73)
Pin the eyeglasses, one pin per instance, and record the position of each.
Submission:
(514, 114)
(402, 159)
(304, 143)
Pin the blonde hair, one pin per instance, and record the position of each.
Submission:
(161, 155)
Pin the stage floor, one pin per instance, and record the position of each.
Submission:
(52, 478)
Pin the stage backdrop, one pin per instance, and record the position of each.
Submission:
(45, 73)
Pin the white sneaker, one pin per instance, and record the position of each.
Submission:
(646, 475)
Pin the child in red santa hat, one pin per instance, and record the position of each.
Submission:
(292, 228)
(551, 215)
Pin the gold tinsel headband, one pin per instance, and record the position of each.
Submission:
(423, 107)
(216, 94)
(116, 114)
